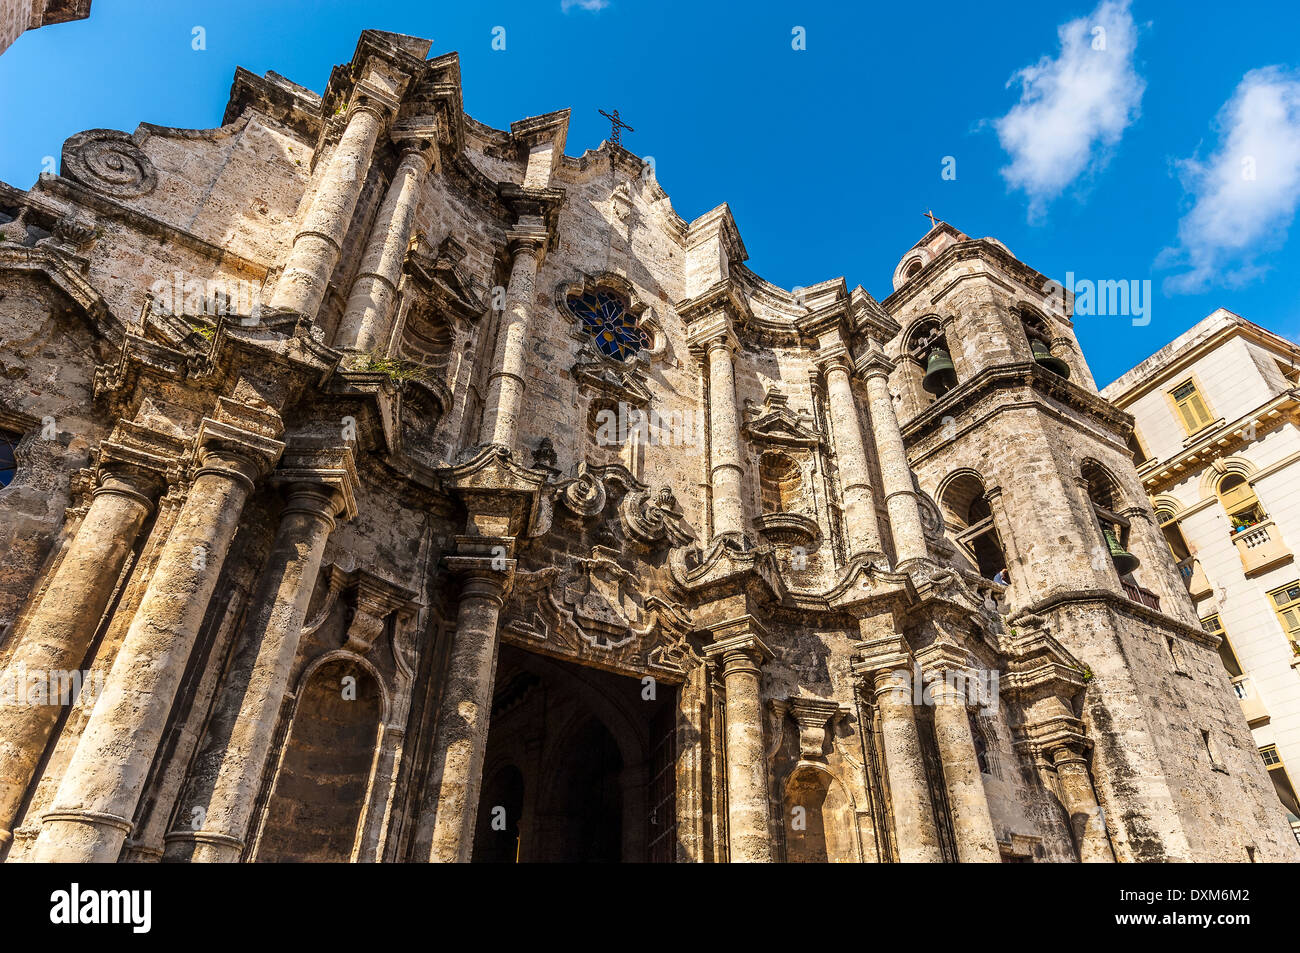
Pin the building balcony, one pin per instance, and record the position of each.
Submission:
(1260, 547)
(1194, 578)
(1142, 596)
(1254, 710)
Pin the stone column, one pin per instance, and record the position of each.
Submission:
(749, 833)
(92, 809)
(915, 832)
(977, 842)
(368, 315)
(59, 632)
(505, 392)
(1087, 822)
(447, 818)
(225, 779)
(724, 438)
(851, 454)
(895, 471)
(319, 241)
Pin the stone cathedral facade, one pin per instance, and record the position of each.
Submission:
(382, 486)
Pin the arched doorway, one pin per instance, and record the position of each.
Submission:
(575, 769)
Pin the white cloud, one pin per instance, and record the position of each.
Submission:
(1072, 108)
(592, 5)
(1246, 194)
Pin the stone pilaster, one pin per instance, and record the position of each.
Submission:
(712, 338)
(92, 809)
(505, 391)
(972, 822)
(1087, 822)
(895, 471)
(749, 834)
(368, 315)
(860, 522)
(59, 632)
(888, 668)
(446, 823)
(224, 782)
(319, 241)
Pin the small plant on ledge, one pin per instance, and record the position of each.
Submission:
(395, 369)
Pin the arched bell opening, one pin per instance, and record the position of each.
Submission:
(1103, 494)
(927, 361)
(1039, 336)
(970, 518)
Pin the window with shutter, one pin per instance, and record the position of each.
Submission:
(1193, 410)
(1286, 601)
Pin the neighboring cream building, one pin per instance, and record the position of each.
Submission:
(1217, 444)
(19, 16)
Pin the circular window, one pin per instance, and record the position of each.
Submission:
(606, 318)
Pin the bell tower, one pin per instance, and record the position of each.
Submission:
(1006, 432)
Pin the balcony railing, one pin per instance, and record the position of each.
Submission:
(1144, 596)
(1194, 578)
(1260, 547)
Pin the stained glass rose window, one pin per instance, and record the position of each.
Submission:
(606, 318)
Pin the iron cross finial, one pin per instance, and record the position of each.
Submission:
(616, 127)
(929, 215)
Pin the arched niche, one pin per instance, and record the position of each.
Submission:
(819, 818)
(967, 513)
(322, 782)
(780, 482)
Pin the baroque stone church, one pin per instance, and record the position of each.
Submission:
(382, 486)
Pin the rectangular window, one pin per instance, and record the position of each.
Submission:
(1192, 410)
(1270, 755)
(1286, 603)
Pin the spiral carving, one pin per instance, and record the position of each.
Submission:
(109, 161)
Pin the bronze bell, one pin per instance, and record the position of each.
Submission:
(1125, 562)
(1045, 357)
(940, 375)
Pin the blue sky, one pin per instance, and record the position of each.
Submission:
(1171, 154)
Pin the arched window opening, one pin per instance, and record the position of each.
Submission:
(780, 484)
(1240, 503)
(1039, 336)
(969, 515)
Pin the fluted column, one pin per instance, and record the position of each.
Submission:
(851, 455)
(94, 804)
(59, 632)
(319, 241)
(749, 833)
(1087, 821)
(895, 471)
(724, 437)
(916, 834)
(505, 392)
(224, 781)
(446, 825)
(977, 842)
(369, 311)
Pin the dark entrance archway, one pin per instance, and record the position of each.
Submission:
(579, 766)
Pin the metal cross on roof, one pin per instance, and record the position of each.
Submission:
(616, 127)
(929, 215)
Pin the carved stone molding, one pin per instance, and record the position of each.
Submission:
(109, 161)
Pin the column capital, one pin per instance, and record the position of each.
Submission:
(329, 468)
(874, 363)
(883, 653)
(835, 358)
(744, 650)
(418, 152)
(712, 331)
(242, 453)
